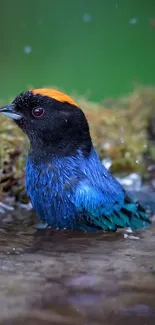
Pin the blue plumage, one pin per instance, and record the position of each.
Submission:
(65, 180)
(79, 193)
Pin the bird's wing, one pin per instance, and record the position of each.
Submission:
(97, 206)
(108, 207)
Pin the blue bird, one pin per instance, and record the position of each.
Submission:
(68, 186)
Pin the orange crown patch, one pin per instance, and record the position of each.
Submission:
(55, 94)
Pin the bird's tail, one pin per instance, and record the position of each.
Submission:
(133, 215)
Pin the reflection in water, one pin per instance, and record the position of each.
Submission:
(53, 277)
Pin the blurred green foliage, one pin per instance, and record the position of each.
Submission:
(95, 48)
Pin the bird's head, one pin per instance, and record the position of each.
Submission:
(52, 120)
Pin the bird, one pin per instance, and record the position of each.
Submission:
(66, 182)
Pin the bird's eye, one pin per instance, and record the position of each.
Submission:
(37, 111)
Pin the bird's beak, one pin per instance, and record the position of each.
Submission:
(10, 112)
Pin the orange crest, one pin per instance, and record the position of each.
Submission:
(55, 94)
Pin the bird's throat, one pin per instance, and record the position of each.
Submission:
(41, 151)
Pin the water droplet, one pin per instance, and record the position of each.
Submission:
(121, 140)
(127, 155)
(129, 230)
(131, 237)
(133, 21)
(87, 18)
(107, 162)
(106, 145)
(27, 49)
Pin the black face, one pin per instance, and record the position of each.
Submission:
(55, 127)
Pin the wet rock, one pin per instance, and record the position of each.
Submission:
(5, 207)
(132, 182)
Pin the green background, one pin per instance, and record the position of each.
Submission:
(92, 47)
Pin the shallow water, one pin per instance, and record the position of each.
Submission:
(53, 277)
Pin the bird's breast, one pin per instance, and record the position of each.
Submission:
(43, 184)
(47, 189)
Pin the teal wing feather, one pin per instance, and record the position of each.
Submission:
(104, 212)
